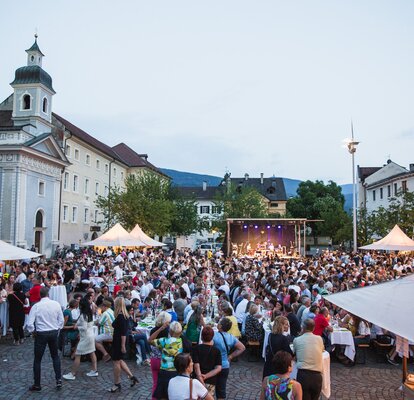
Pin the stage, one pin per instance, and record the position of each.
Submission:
(282, 238)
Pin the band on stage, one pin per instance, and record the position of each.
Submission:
(263, 249)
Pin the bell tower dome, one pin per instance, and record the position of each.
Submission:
(33, 92)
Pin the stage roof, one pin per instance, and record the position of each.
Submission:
(270, 220)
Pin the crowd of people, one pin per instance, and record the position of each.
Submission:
(205, 311)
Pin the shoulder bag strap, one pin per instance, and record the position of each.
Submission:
(191, 389)
(225, 343)
(19, 300)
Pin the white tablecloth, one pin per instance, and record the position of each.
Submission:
(58, 293)
(326, 374)
(345, 338)
(267, 333)
(4, 317)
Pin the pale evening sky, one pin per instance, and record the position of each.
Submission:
(252, 86)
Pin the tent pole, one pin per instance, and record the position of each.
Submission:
(228, 238)
(404, 365)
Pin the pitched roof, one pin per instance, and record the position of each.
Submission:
(6, 118)
(81, 134)
(36, 139)
(35, 47)
(271, 188)
(133, 159)
(198, 192)
(365, 172)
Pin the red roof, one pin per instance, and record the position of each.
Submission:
(132, 158)
(75, 131)
(120, 152)
(365, 172)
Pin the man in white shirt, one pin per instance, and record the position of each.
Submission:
(20, 275)
(224, 286)
(308, 349)
(146, 288)
(45, 320)
(240, 312)
(119, 272)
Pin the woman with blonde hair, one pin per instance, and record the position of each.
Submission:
(120, 326)
(277, 341)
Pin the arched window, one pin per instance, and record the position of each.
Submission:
(26, 102)
(44, 105)
(39, 219)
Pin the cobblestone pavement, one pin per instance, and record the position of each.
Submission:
(370, 381)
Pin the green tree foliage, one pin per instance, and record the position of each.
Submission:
(238, 202)
(148, 200)
(380, 221)
(185, 219)
(315, 200)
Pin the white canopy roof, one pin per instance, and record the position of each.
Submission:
(10, 252)
(139, 234)
(116, 236)
(395, 240)
(389, 305)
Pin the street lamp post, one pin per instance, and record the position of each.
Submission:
(352, 145)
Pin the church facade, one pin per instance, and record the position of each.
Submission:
(51, 171)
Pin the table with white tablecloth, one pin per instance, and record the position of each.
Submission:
(344, 337)
(4, 317)
(326, 374)
(58, 293)
(267, 333)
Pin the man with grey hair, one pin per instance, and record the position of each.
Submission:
(45, 320)
(308, 349)
(241, 309)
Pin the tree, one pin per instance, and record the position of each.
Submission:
(150, 201)
(185, 219)
(380, 221)
(315, 200)
(238, 202)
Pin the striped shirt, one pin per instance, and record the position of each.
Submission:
(105, 322)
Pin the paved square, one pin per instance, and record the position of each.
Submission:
(371, 381)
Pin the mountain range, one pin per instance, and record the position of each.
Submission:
(189, 179)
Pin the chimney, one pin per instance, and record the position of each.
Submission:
(411, 167)
(261, 178)
(204, 186)
(246, 177)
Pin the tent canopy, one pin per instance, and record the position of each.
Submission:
(139, 234)
(117, 236)
(389, 305)
(10, 252)
(395, 240)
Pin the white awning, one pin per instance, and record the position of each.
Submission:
(389, 305)
(117, 236)
(10, 252)
(139, 234)
(396, 240)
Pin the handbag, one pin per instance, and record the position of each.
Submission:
(26, 308)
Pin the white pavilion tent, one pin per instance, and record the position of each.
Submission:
(139, 234)
(10, 252)
(389, 305)
(395, 240)
(117, 236)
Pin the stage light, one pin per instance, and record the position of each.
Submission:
(245, 226)
(279, 226)
(255, 227)
(268, 226)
